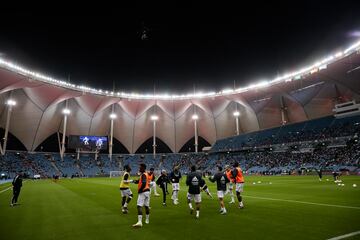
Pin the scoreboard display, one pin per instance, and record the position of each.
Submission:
(86, 142)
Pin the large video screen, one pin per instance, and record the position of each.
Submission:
(88, 142)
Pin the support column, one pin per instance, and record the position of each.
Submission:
(112, 117)
(237, 125)
(154, 118)
(154, 138)
(111, 138)
(283, 110)
(236, 115)
(63, 137)
(195, 117)
(10, 104)
(66, 112)
(196, 135)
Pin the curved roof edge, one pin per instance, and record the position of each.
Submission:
(317, 66)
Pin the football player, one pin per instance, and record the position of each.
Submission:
(195, 182)
(221, 180)
(125, 190)
(175, 177)
(152, 182)
(230, 188)
(238, 178)
(143, 195)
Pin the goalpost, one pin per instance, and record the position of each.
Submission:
(116, 173)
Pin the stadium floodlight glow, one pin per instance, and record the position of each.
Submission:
(154, 118)
(352, 47)
(236, 113)
(11, 102)
(322, 67)
(281, 79)
(113, 116)
(195, 117)
(66, 111)
(339, 54)
(261, 84)
(226, 91)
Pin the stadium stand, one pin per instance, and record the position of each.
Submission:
(327, 143)
(318, 129)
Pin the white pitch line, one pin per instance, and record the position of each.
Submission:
(345, 236)
(5, 190)
(302, 202)
(10, 187)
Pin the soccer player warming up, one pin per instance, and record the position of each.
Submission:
(319, 172)
(238, 179)
(125, 190)
(195, 182)
(16, 184)
(162, 181)
(230, 189)
(175, 177)
(152, 182)
(143, 195)
(221, 180)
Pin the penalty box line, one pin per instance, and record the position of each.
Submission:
(303, 202)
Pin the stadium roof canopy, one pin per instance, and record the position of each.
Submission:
(308, 93)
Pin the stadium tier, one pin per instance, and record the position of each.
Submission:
(322, 129)
(328, 143)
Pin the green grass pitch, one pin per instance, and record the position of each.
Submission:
(291, 207)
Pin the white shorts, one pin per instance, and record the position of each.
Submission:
(196, 197)
(230, 186)
(220, 194)
(125, 192)
(152, 184)
(239, 187)
(175, 186)
(143, 199)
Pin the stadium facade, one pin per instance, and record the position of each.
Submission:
(307, 94)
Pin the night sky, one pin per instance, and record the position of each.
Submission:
(205, 46)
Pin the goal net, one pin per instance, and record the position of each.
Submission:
(116, 173)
